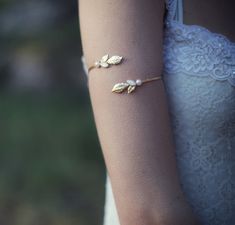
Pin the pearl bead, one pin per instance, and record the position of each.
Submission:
(97, 64)
(138, 82)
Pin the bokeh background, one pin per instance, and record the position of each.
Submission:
(51, 166)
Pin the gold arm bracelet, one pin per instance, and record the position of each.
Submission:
(130, 85)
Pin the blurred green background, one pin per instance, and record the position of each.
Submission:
(51, 166)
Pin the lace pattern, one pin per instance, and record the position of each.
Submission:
(196, 51)
(202, 111)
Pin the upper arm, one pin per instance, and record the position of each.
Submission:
(132, 28)
(134, 130)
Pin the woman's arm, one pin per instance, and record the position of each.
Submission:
(134, 129)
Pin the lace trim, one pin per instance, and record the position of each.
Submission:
(195, 50)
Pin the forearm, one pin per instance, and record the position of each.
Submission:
(134, 129)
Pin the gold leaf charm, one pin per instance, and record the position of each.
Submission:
(114, 60)
(130, 85)
(104, 58)
(119, 87)
(106, 61)
(130, 89)
(104, 64)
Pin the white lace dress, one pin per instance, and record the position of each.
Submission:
(199, 77)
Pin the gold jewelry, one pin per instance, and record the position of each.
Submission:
(131, 85)
(105, 62)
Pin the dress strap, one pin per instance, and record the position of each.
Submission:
(179, 11)
(175, 10)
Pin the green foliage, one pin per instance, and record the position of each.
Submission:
(51, 166)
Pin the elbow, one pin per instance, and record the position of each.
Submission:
(137, 216)
(150, 216)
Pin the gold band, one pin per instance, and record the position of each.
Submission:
(130, 85)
